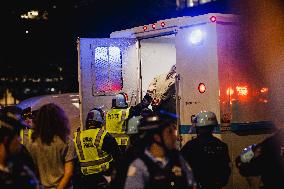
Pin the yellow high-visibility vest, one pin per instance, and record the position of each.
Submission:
(88, 145)
(116, 126)
(26, 135)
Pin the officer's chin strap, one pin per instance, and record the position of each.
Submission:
(162, 144)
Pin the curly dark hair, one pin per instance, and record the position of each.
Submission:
(50, 121)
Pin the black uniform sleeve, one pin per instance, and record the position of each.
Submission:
(186, 152)
(226, 171)
(252, 168)
(135, 110)
(110, 146)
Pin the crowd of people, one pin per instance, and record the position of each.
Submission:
(138, 151)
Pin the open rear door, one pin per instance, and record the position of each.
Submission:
(105, 68)
(197, 69)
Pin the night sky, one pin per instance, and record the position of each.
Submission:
(53, 41)
(36, 48)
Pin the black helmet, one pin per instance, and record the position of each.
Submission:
(152, 125)
(155, 122)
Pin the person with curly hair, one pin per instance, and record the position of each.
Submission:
(51, 148)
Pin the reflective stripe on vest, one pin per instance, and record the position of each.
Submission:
(97, 142)
(79, 146)
(25, 135)
(96, 162)
(88, 145)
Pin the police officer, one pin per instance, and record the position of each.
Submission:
(97, 151)
(265, 159)
(115, 120)
(132, 152)
(23, 157)
(207, 155)
(28, 116)
(13, 174)
(160, 165)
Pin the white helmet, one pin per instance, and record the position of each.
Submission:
(95, 115)
(247, 153)
(205, 118)
(132, 125)
(120, 100)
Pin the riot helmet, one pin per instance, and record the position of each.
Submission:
(120, 100)
(205, 118)
(95, 118)
(156, 124)
(132, 125)
(204, 122)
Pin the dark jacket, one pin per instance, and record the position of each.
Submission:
(209, 159)
(268, 162)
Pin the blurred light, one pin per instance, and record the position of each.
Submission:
(27, 31)
(52, 89)
(163, 24)
(230, 91)
(264, 90)
(213, 19)
(145, 28)
(154, 26)
(76, 105)
(33, 14)
(27, 90)
(242, 91)
(201, 88)
(263, 100)
(196, 36)
(74, 95)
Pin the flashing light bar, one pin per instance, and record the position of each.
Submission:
(163, 24)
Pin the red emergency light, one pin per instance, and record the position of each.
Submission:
(213, 19)
(154, 26)
(145, 28)
(163, 24)
(201, 88)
